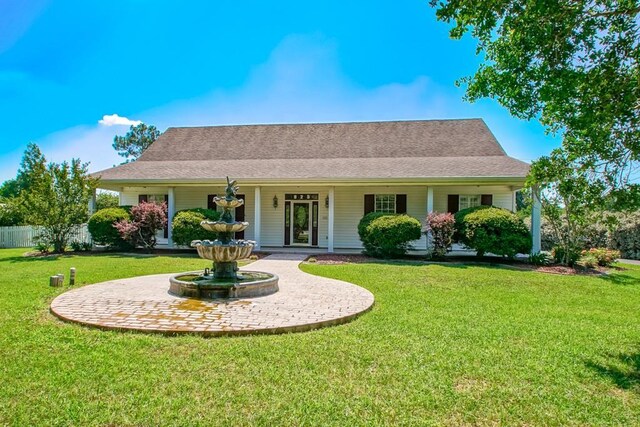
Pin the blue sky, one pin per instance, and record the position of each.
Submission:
(66, 64)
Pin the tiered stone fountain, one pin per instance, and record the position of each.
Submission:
(223, 280)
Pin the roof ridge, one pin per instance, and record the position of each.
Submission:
(366, 122)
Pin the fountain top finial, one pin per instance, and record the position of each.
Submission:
(231, 190)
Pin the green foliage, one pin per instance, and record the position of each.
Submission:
(138, 139)
(460, 224)
(56, 197)
(625, 236)
(186, 225)
(569, 198)
(80, 246)
(107, 200)
(566, 255)
(493, 230)
(10, 189)
(365, 221)
(541, 258)
(102, 227)
(10, 212)
(588, 260)
(571, 65)
(387, 236)
(43, 247)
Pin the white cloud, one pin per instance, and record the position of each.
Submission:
(116, 120)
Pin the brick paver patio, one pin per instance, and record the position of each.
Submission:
(304, 302)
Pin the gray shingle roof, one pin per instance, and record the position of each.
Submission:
(372, 150)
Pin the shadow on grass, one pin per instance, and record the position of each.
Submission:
(621, 279)
(622, 369)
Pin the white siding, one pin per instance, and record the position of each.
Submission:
(350, 209)
(502, 195)
(349, 206)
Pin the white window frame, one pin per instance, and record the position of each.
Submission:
(386, 205)
(469, 201)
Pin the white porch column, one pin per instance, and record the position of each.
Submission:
(257, 218)
(121, 197)
(92, 203)
(429, 199)
(171, 211)
(331, 219)
(536, 219)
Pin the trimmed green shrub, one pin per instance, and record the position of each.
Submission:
(102, 229)
(493, 230)
(387, 236)
(186, 225)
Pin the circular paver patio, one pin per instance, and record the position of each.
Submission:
(304, 302)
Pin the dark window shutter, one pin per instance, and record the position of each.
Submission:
(287, 223)
(314, 224)
(401, 203)
(142, 198)
(369, 203)
(166, 227)
(210, 203)
(240, 216)
(486, 199)
(453, 203)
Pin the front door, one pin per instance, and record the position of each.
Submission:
(301, 223)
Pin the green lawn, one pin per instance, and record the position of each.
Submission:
(443, 345)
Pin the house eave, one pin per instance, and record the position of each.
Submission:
(413, 181)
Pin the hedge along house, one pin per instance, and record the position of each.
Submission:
(308, 185)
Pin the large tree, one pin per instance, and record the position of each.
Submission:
(138, 139)
(57, 197)
(571, 64)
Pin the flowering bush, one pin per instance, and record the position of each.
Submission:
(440, 227)
(146, 220)
(604, 257)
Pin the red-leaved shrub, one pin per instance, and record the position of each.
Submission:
(146, 220)
(440, 227)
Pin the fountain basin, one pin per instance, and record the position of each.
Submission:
(224, 227)
(216, 251)
(249, 284)
(230, 204)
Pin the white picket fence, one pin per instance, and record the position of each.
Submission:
(25, 236)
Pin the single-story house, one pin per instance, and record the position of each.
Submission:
(310, 184)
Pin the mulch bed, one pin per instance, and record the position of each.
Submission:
(337, 259)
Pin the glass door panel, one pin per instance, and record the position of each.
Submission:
(300, 224)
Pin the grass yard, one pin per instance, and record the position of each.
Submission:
(443, 345)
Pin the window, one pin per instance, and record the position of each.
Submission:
(385, 203)
(469, 201)
(155, 198)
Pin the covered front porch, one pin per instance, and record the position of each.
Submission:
(317, 218)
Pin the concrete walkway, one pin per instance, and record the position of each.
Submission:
(629, 261)
(304, 302)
